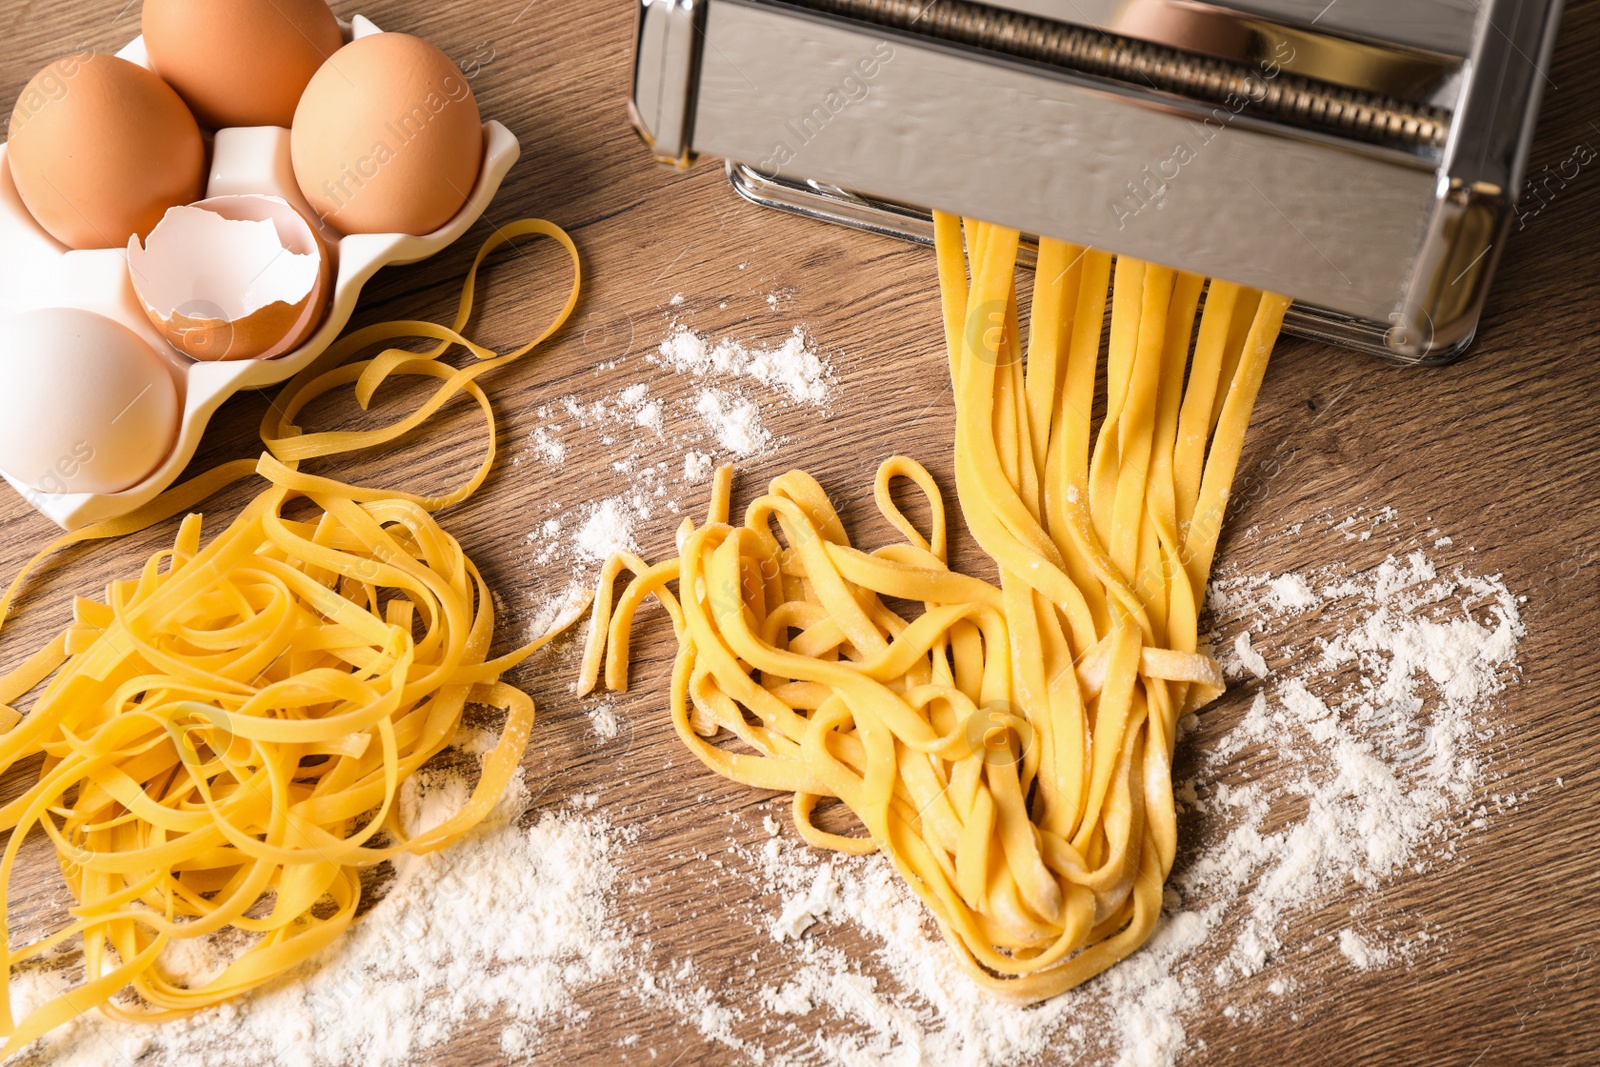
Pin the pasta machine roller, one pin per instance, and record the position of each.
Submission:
(1360, 156)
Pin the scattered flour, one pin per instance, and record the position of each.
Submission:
(658, 432)
(735, 421)
(547, 446)
(1291, 593)
(551, 610)
(791, 368)
(697, 466)
(603, 717)
(1248, 658)
(1362, 955)
(508, 924)
(1364, 752)
(607, 531)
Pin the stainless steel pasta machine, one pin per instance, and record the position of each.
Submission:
(1361, 156)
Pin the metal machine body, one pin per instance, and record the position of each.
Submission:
(1362, 156)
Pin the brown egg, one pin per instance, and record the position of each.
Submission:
(387, 137)
(100, 148)
(239, 62)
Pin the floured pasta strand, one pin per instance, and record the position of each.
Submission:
(1009, 747)
(223, 739)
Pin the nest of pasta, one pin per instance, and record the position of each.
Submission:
(220, 744)
(224, 738)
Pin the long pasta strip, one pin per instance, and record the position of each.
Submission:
(1008, 747)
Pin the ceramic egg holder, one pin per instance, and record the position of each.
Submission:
(36, 271)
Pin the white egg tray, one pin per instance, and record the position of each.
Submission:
(36, 271)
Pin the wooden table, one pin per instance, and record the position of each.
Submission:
(1499, 451)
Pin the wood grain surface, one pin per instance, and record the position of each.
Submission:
(1499, 451)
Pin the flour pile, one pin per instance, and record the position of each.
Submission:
(719, 412)
(790, 367)
(507, 923)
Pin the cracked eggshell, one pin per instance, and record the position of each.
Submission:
(233, 277)
(88, 406)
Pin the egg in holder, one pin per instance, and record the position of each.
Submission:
(114, 418)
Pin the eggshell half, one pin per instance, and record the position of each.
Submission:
(100, 147)
(387, 137)
(232, 277)
(87, 406)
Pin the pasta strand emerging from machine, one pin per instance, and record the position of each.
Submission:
(1009, 748)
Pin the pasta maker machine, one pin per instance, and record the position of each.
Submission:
(1360, 156)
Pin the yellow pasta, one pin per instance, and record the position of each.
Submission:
(223, 739)
(1008, 747)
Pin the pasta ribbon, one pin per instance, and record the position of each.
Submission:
(1009, 746)
(220, 744)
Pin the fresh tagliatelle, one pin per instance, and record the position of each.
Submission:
(1008, 747)
(220, 744)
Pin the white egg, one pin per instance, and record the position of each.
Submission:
(86, 405)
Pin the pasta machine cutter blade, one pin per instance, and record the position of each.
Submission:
(1362, 157)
